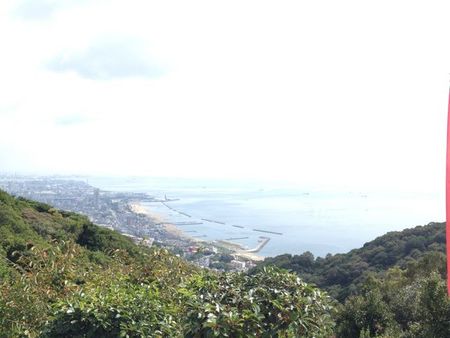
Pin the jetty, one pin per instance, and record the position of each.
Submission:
(173, 209)
(167, 206)
(179, 223)
(268, 232)
(165, 199)
(262, 244)
(235, 238)
(212, 221)
(183, 213)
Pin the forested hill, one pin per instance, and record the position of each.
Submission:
(342, 274)
(62, 276)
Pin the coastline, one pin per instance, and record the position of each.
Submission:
(173, 230)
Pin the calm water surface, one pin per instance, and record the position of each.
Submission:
(319, 220)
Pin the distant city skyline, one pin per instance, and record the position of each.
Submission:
(347, 93)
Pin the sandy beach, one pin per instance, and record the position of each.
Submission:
(156, 218)
(175, 231)
(137, 208)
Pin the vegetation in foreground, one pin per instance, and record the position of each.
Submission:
(62, 276)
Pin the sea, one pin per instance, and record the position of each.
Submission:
(296, 219)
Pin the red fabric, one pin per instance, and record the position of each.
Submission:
(448, 198)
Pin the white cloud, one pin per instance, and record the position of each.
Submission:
(38, 9)
(346, 93)
(109, 58)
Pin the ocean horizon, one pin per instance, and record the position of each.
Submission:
(296, 219)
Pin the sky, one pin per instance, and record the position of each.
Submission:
(339, 93)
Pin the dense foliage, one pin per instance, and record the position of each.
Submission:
(393, 286)
(62, 276)
(410, 303)
(269, 303)
(343, 274)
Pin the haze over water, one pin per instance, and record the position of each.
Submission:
(318, 220)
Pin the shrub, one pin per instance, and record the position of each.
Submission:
(121, 310)
(272, 302)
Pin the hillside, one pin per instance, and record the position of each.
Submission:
(62, 276)
(342, 274)
(394, 286)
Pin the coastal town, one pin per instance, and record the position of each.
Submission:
(123, 212)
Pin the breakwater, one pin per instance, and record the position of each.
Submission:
(175, 210)
(212, 221)
(262, 244)
(268, 232)
(179, 223)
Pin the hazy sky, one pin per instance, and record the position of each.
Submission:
(350, 93)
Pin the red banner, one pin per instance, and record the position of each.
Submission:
(448, 198)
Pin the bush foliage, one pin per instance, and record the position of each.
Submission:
(62, 276)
